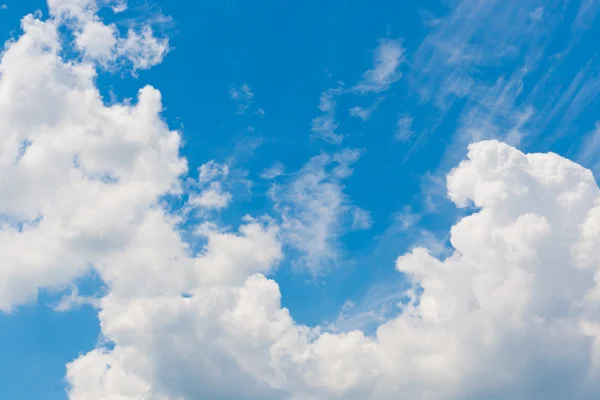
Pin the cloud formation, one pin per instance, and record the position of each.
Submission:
(275, 170)
(404, 130)
(515, 304)
(325, 125)
(387, 58)
(242, 95)
(207, 192)
(102, 43)
(316, 212)
(364, 113)
(78, 177)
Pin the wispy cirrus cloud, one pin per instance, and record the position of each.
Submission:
(587, 154)
(495, 68)
(325, 125)
(242, 95)
(365, 113)
(428, 19)
(361, 219)
(316, 212)
(387, 58)
(74, 300)
(273, 171)
(404, 130)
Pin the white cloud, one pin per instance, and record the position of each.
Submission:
(537, 14)
(102, 43)
(388, 57)
(513, 307)
(361, 112)
(211, 198)
(212, 170)
(243, 96)
(404, 128)
(207, 193)
(324, 126)
(78, 177)
(361, 219)
(429, 20)
(275, 170)
(119, 6)
(142, 48)
(365, 113)
(314, 209)
(4, 7)
(407, 218)
(481, 35)
(97, 40)
(74, 300)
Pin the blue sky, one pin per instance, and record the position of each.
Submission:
(335, 122)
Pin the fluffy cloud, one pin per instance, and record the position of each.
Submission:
(213, 197)
(78, 177)
(209, 193)
(516, 304)
(102, 43)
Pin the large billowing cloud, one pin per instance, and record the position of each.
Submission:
(513, 313)
(78, 178)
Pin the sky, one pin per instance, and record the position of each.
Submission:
(299, 200)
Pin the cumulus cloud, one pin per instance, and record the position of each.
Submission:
(207, 192)
(515, 305)
(78, 177)
(97, 40)
(213, 197)
(387, 58)
(212, 170)
(102, 43)
(142, 48)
